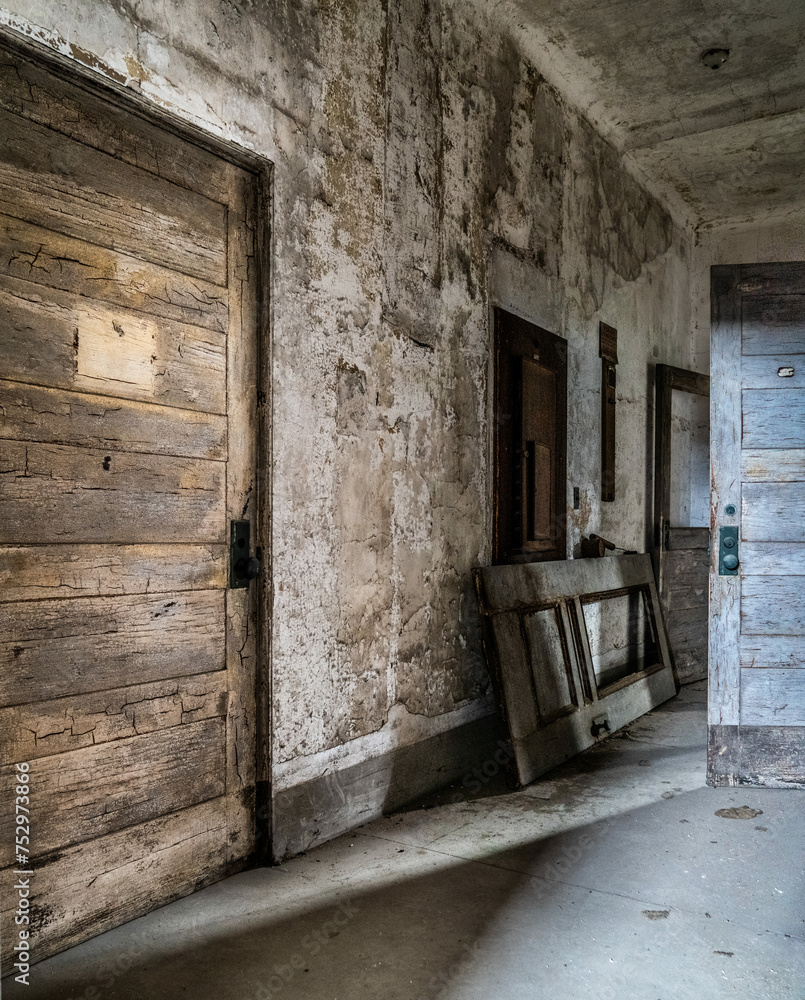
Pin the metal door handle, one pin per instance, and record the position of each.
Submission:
(243, 568)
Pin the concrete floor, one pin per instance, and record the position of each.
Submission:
(612, 878)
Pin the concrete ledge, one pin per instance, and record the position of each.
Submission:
(325, 807)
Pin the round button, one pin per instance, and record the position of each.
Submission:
(729, 510)
(731, 561)
(729, 543)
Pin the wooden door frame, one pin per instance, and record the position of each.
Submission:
(556, 355)
(261, 170)
(667, 379)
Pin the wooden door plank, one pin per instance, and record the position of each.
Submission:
(686, 568)
(773, 512)
(763, 652)
(724, 688)
(48, 179)
(60, 493)
(772, 324)
(783, 466)
(773, 697)
(119, 784)
(688, 598)
(51, 649)
(70, 342)
(518, 692)
(39, 572)
(773, 605)
(766, 558)
(688, 538)
(770, 418)
(52, 260)
(87, 420)
(762, 372)
(72, 109)
(40, 729)
(92, 887)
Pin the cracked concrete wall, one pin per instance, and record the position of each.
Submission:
(424, 172)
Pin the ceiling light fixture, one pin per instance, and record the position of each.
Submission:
(715, 58)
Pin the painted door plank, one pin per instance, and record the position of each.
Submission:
(773, 418)
(773, 694)
(724, 686)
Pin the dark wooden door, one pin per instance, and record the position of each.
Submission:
(127, 350)
(757, 609)
(681, 553)
(530, 442)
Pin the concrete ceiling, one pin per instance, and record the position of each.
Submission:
(716, 144)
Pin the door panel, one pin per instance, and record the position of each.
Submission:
(680, 554)
(128, 348)
(757, 689)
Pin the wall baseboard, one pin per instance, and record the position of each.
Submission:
(315, 811)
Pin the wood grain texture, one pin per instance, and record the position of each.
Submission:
(39, 729)
(773, 418)
(109, 787)
(783, 466)
(724, 688)
(51, 649)
(243, 500)
(772, 324)
(773, 697)
(766, 558)
(92, 887)
(773, 605)
(773, 512)
(688, 538)
(57, 416)
(51, 181)
(58, 493)
(67, 341)
(771, 756)
(763, 652)
(52, 260)
(75, 110)
(39, 572)
(762, 372)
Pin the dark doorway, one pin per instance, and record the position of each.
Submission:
(530, 421)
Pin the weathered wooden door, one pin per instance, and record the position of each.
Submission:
(757, 577)
(128, 297)
(680, 553)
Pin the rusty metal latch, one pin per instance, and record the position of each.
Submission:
(243, 568)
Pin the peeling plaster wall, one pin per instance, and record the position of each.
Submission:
(424, 172)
